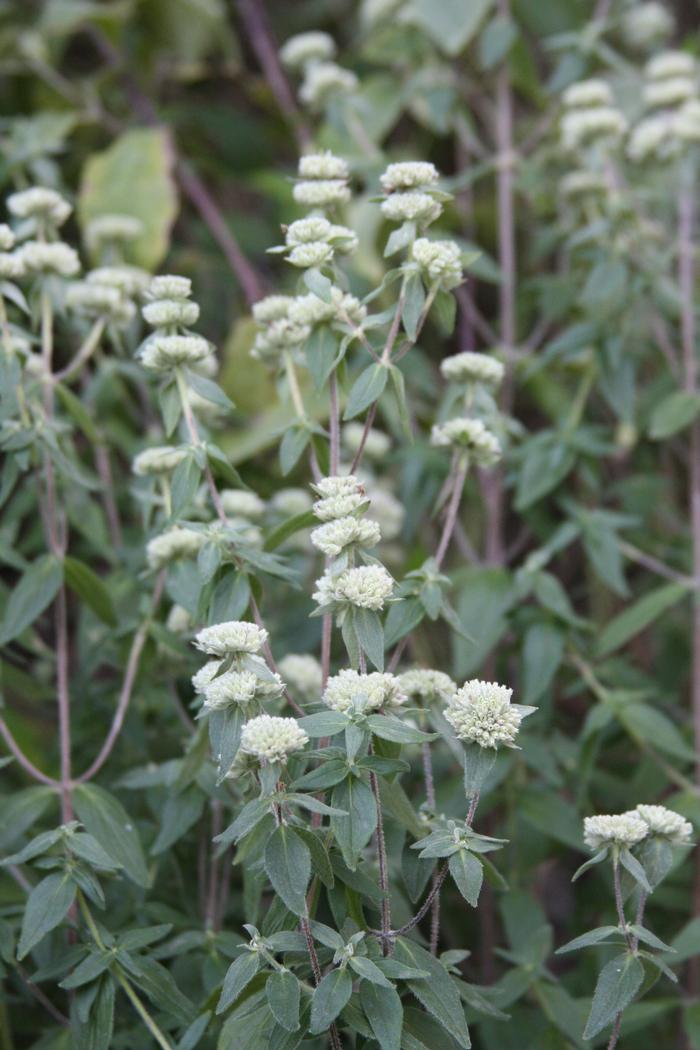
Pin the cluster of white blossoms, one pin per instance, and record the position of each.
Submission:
(360, 587)
(270, 738)
(231, 638)
(427, 686)
(342, 534)
(339, 497)
(645, 24)
(40, 211)
(240, 503)
(411, 192)
(472, 436)
(353, 691)
(377, 444)
(158, 460)
(106, 233)
(312, 55)
(175, 542)
(275, 331)
(305, 49)
(626, 830)
(439, 261)
(303, 674)
(10, 262)
(590, 116)
(322, 181)
(576, 185)
(468, 367)
(313, 242)
(482, 713)
(171, 312)
(46, 209)
(671, 97)
(241, 687)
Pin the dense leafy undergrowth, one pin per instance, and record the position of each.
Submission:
(350, 526)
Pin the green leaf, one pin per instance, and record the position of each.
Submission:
(390, 728)
(414, 301)
(450, 24)
(288, 867)
(674, 413)
(91, 967)
(632, 865)
(639, 615)
(209, 390)
(437, 993)
(468, 874)
(185, 482)
(283, 995)
(353, 831)
(180, 812)
(321, 351)
(134, 177)
(370, 635)
(368, 970)
(325, 723)
(384, 1011)
(46, 907)
(35, 591)
(88, 586)
(239, 974)
(288, 528)
(249, 817)
(105, 818)
(586, 940)
(317, 283)
(329, 999)
(496, 41)
(618, 983)
(295, 440)
(367, 388)
(159, 985)
(543, 648)
(478, 763)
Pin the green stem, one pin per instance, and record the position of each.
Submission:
(294, 388)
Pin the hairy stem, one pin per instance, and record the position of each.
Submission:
(383, 866)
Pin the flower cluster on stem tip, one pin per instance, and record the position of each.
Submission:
(482, 713)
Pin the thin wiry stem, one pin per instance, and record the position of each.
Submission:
(383, 866)
(26, 763)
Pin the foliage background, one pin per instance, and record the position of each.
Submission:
(162, 108)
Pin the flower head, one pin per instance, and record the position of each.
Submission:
(413, 206)
(40, 203)
(170, 286)
(665, 823)
(272, 308)
(593, 92)
(205, 675)
(298, 51)
(271, 738)
(469, 367)
(232, 687)
(670, 64)
(321, 193)
(55, 257)
(112, 229)
(408, 175)
(440, 260)
(349, 690)
(644, 24)
(7, 237)
(234, 636)
(481, 712)
(243, 504)
(377, 444)
(364, 587)
(175, 542)
(339, 506)
(303, 673)
(338, 535)
(584, 125)
(322, 80)
(426, 685)
(622, 829)
(160, 459)
(163, 313)
(130, 280)
(470, 434)
(322, 166)
(163, 352)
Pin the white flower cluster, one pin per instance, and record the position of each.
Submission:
(411, 195)
(349, 690)
(310, 310)
(362, 587)
(10, 262)
(314, 241)
(240, 503)
(377, 444)
(46, 258)
(231, 637)
(107, 231)
(645, 24)
(306, 48)
(579, 184)
(590, 116)
(666, 823)
(427, 686)
(272, 739)
(175, 542)
(472, 436)
(341, 534)
(171, 312)
(303, 673)
(340, 496)
(481, 713)
(46, 207)
(621, 829)
(441, 261)
(671, 92)
(469, 367)
(92, 299)
(130, 280)
(629, 829)
(159, 459)
(322, 81)
(240, 687)
(276, 331)
(322, 182)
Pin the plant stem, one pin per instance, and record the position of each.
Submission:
(615, 1035)
(294, 388)
(316, 970)
(122, 978)
(383, 866)
(460, 477)
(92, 341)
